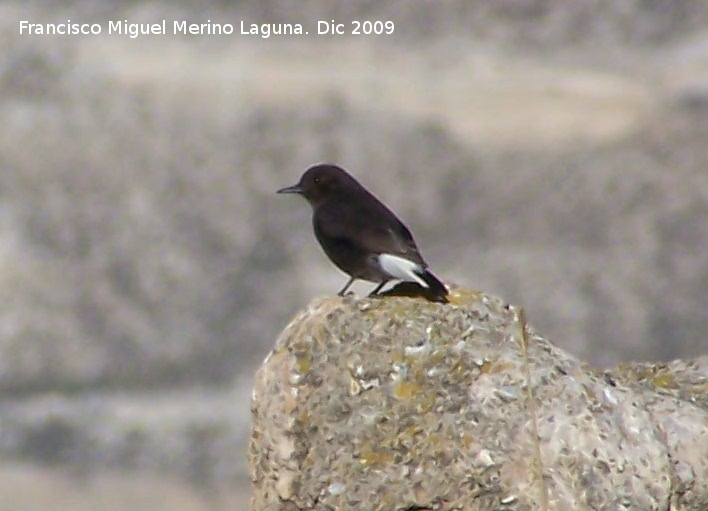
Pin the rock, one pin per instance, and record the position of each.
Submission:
(400, 403)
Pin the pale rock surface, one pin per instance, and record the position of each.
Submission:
(400, 403)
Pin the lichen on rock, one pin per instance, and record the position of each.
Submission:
(400, 403)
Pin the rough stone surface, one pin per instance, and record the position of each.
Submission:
(398, 403)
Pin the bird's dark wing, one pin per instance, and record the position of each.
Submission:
(371, 229)
(395, 240)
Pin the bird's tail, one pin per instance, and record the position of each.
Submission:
(398, 267)
(436, 288)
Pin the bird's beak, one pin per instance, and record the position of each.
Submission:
(291, 189)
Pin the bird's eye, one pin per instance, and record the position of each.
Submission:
(317, 180)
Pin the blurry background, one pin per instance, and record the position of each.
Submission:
(551, 152)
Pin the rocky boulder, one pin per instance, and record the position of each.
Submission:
(397, 403)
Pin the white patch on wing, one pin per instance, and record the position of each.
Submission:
(401, 268)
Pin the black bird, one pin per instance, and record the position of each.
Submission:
(360, 234)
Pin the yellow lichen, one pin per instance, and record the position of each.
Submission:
(663, 381)
(304, 363)
(466, 440)
(406, 390)
(303, 418)
(369, 457)
(463, 296)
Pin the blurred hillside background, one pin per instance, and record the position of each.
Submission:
(551, 152)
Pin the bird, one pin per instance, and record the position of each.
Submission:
(359, 234)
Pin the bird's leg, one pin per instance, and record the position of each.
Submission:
(346, 286)
(378, 288)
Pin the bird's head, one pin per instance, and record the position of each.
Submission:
(322, 181)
